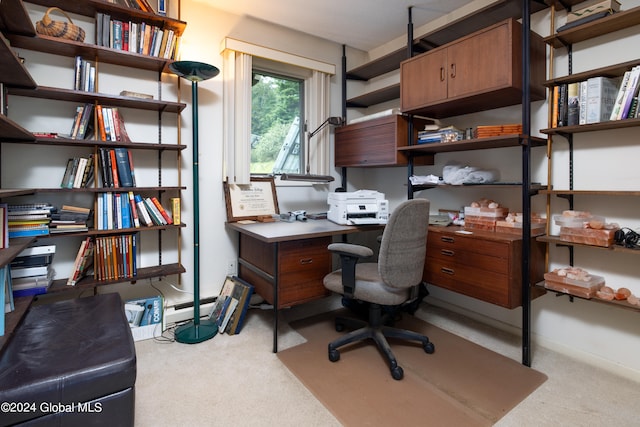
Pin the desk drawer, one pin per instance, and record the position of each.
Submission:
(486, 285)
(456, 242)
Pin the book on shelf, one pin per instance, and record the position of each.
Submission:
(34, 256)
(39, 270)
(601, 98)
(143, 213)
(154, 213)
(134, 210)
(4, 226)
(167, 218)
(175, 210)
(228, 312)
(630, 92)
(6, 295)
(115, 257)
(123, 162)
(582, 101)
(573, 104)
(132, 94)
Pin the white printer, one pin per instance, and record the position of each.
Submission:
(358, 207)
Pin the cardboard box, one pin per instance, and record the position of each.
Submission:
(145, 317)
(588, 8)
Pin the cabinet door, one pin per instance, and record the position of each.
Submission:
(423, 79)
(480, 63)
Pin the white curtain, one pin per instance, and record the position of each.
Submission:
(237, 74)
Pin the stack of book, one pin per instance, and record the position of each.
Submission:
(488, 131)
(31, 271)
(145, 317)
(29, 220)
(82, 126)
(69, 219)
(439, 134)
(626, 105)
(84, 75)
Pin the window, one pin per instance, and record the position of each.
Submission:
(277, 111)
(242, 62)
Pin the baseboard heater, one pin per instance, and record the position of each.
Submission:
(189, 304)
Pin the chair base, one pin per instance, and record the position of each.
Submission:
(378, 332)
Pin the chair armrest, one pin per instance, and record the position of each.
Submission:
(349, 249)
(350, 254)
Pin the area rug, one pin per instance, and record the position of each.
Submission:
(460, 384)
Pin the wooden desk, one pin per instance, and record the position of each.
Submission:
(286, 261)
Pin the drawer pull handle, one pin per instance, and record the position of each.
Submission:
(447, 252)
(447, 270)
(447, 239)
(453, 71)
(305, 261)
(442, 74)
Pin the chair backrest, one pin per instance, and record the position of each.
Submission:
(404, 244)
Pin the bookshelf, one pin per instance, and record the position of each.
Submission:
(572, 137)
(18, 33)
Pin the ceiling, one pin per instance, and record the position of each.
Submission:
(362, 24)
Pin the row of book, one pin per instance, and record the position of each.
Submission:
(118, 211)
(136, 37)
(115, 257)
(441, 134)
(107, 125)
(6, 295)
(4, 226)
(78, 173)
(69, 219)
(84, 75)
(231, 305)
(116, 167)
(597, 99)
(142, 5)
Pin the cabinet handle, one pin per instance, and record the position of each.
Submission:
(453, 71)
(447, 239)
(447, 252)
(442, 74)
(305, 261)
(447, 271)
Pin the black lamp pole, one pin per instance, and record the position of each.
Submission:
(195, 331)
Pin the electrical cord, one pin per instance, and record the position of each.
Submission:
(627, 238)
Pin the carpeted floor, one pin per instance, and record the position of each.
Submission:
(461, 383)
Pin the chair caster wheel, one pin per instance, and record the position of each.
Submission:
(429, 348)
(339, 327)
(334, 355)
(397, 373)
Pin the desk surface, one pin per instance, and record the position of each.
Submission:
(280, 231)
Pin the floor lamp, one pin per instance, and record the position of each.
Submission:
(195, 331)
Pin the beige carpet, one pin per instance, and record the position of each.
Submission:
(460, 384)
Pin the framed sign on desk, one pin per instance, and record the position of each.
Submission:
(251, 201)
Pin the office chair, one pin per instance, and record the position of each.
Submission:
(392, 281)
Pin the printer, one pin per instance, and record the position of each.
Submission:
(358, 208)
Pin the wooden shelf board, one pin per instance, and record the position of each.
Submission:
(13, 319)
(592, 192)
(619, 304)
(614, 248)
(471, 144)
(69, 95)
(610, 71)
(14, 18)
(16, 246)
(617, 21)
(375, 97)
(41, 43)
(592, 127)
(143, 273)
(12, 132)
(67, 142)
(12, 69)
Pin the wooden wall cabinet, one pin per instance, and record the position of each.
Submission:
(482, 265)
(478, 72)
(376, 142)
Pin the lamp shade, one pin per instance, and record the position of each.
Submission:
(193, 71)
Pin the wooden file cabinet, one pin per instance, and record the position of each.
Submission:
(482, 265)
(299, 267)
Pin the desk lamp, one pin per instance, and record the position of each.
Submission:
(195, 331)
(334, 121)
